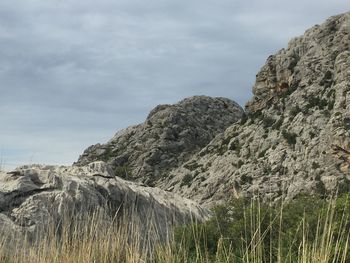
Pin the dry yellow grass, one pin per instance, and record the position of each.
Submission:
(96, 240)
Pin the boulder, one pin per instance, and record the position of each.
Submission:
(36, 195)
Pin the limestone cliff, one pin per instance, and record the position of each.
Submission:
(295, 138)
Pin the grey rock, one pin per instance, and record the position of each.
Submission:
(36, 195)
(169, 137)
(296, 137)
(293, 140)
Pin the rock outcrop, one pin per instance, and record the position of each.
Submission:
(295, 138)
(169, 137)
(32, 196)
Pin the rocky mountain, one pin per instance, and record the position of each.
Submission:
(295, 138)
(169, 137)
(32, 197)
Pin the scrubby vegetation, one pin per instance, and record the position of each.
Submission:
(290, 137)
(306, 230)
(124, 172)
(186, 180)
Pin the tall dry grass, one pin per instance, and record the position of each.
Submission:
(92, 238)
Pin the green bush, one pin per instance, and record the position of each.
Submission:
(186, 180)
(257, 115)
(315, 165)
(312, 134)
(331, 104)
(262, 153)
(107, 155)
(316, 102)
(245, 179)
(222, 149)
(346, 123)
(124, 172)
(278, 231)
(278, 124)
(240, 163)
(294, 111)
(268, 121)
(290, 137)
(235, 146)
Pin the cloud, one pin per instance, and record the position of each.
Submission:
(74, 72)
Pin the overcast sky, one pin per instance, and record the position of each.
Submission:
(73, 72)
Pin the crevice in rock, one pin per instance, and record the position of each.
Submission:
(15, 199)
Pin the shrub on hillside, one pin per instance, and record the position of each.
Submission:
(252, 229)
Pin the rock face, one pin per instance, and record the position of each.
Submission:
(33, 195)
(168, 138)
(295, 138)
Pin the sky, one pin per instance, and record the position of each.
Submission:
(73, 72)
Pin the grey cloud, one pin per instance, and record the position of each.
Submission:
(74, 72)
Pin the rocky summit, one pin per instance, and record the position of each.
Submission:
(169, 137)
(295, 138)
(292, 139)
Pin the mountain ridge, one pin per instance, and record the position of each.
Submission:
(293, 137)
(170, 135)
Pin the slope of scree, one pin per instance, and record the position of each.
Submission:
(296, 136)
(169, 137)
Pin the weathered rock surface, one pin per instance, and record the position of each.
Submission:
(168, 138)
(294, 139)
(296, 136)
(32, 196)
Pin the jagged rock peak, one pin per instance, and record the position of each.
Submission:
(307, 60)
(296, 137)
(170, 135)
